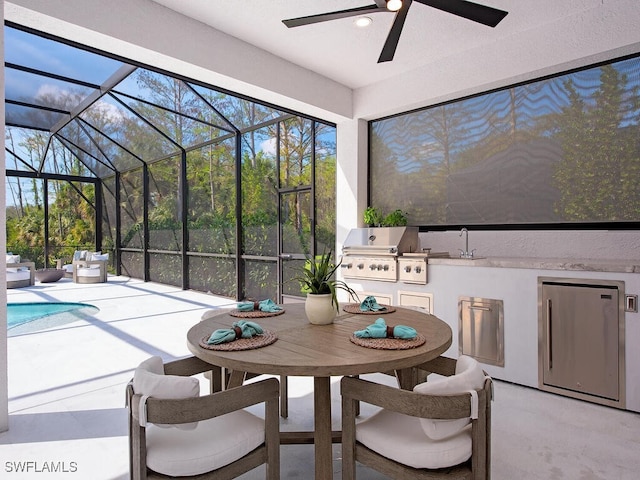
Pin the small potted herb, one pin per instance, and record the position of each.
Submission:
(397, 218)
(372, 217)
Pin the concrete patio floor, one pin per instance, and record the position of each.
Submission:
(67, 381)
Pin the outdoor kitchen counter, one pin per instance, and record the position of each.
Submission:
(587, 265)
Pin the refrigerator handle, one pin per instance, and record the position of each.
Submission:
(549, 339)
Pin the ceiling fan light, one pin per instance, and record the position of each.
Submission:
(394, 5)
(362, 22)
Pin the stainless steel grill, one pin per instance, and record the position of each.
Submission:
(372, 253)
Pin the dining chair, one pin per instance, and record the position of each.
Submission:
(449, 439)
(175, 432)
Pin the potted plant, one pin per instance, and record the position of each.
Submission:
(372, 217)
(317, 279)
(397, 218)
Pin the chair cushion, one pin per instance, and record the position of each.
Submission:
(13, 258)
(216, 442)
(400, 438)
(80, 254)
(90, 271)
(99, 256)
(468, 376)
(149, 379)
(14, 275)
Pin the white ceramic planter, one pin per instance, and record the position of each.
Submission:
(319, 309)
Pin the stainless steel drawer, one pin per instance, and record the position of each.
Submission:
(481, 329)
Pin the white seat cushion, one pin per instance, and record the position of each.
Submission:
(18, 274)
(213, 444)
(13, 258)
(468, 376)
(88, 271)
(400, 438)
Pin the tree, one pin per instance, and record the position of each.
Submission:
(597, 176)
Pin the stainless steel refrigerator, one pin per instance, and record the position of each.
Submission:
(581, 341)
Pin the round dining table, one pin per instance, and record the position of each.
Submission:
(299, 348)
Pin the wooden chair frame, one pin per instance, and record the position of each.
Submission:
(23, 283)
(354, 390)
(201, 408)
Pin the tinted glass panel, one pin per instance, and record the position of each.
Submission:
(260, 277)
(54, 57)
(215, 275)
(241, 113)
(132, 264)
(325, 187)
(131, 209)
(165, 205)
(130, 130)
(295, 214)
(296, 148)
(109, 224)
(51, 92)
(259, 194)
(562, 149)
(26, 148)
(22, 116)
(212, 190)
(166, 269)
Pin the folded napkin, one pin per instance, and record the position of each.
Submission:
(379, 329)
(267, 305)
(241, 329)
(370, 304)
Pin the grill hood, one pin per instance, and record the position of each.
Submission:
(381, 241)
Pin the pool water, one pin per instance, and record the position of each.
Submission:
(37, 315)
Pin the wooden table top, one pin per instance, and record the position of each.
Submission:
(303, 349)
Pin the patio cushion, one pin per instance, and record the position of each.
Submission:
(18, 274)
(13, 258)
(88, 271)
(99, 256)
(80, 254)
(149, 380)
(400, 438)
(216, 442)
(468, 376)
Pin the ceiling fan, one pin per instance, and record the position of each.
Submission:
(472, 11)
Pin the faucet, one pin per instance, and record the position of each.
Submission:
(465, 253)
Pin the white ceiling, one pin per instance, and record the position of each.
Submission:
(342, 52)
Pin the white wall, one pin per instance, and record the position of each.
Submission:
(4, 394)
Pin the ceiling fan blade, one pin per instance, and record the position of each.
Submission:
(390, 45)
(325, 17)
(472, 11)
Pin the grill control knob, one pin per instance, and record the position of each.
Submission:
(360, 266)
(418, 269)
(386, 268)
(372, 267)
(407, 269)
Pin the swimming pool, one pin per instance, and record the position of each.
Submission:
(28, 317)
